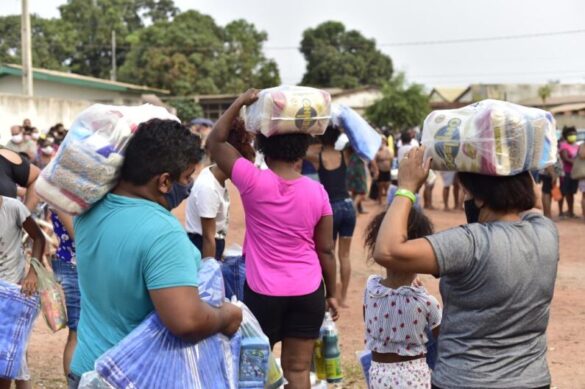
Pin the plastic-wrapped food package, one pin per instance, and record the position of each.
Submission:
(289, 109)
(52, 298)
(88, 162)
(151, 357)
(362, 137)
(17, 316)
(491, 137)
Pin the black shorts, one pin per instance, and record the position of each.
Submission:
(384, 176)
(288, 316)
(546, 184)
(568, 185)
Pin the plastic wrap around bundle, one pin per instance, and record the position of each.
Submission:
(362, 137)
(151, 357)
(17, 316)
(52, 298)
(89, 160)
(289, 109)
(491, 137)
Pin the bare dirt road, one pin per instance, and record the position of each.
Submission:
(566, 345)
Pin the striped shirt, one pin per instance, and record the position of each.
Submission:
(396, 319)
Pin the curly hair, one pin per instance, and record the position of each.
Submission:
(568, 130)
(160, 146)
(287, 147)
(419, 225)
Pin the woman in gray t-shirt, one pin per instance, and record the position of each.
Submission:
(497, 278)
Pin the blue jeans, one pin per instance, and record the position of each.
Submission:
(233, 270)
(343, 218)
(66, 275)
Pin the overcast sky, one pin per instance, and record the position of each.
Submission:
(536, 59)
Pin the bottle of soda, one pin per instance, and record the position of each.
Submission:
(331, 352)
(319, 356)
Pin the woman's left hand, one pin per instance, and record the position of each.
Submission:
(333, 308)
(414, 170)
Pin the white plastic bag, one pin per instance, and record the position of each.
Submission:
(89, 160)
(289, 109)
(491, 137)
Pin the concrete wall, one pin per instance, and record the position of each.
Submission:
(13, 85)
(43, 112)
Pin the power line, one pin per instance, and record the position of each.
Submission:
(460, 40)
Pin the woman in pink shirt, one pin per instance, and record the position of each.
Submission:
(288, 245)
(568, 149)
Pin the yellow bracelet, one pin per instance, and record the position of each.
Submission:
(406, 193)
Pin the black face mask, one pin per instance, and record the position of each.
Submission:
(471, 211)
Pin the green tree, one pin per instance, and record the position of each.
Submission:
(192, 54)
(401, 105)
(52, 42)
(93, 22)
(187, 109)
(340, 58)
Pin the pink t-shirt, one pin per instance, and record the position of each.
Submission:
(572, 150)
(281, 216)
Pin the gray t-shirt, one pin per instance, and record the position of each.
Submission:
(497, 282)
(12, 263)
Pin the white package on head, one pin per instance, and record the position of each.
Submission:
(289, 109)
(89, 160)
(490, 137)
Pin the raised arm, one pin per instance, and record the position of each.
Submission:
(31, 198)
(393, 249)
(224, 154)
(324, 244)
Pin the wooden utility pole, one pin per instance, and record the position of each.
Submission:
(27, 71)
(113, 73)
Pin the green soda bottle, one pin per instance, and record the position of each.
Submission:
(318, 358)
(331, 352)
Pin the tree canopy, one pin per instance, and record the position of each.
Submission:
(193, 54)
(401, 105)
(187, 53)
(340, 58)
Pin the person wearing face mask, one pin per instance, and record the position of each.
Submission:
(45, 153)
(568, 149)
(19, 144)
(497, 275)
(133, 255)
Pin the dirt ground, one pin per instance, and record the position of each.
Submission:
(566, 347)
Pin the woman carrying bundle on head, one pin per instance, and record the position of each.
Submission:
(288, 247)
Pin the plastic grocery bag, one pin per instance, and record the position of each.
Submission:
(151, 357)
(491, 137)
(52, 298)
(91, 380)
(289, 109)
(258, 369)
(363, 138)
(88, 162)
(17, 316)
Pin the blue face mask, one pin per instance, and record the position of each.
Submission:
(178, 193)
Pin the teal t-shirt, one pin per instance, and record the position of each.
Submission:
(125, 247)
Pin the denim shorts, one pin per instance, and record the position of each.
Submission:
(66, 275)
(343, 218)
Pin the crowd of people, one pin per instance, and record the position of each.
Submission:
(128, 255)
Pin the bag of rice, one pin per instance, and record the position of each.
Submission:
(289, 109)
(490, 137)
